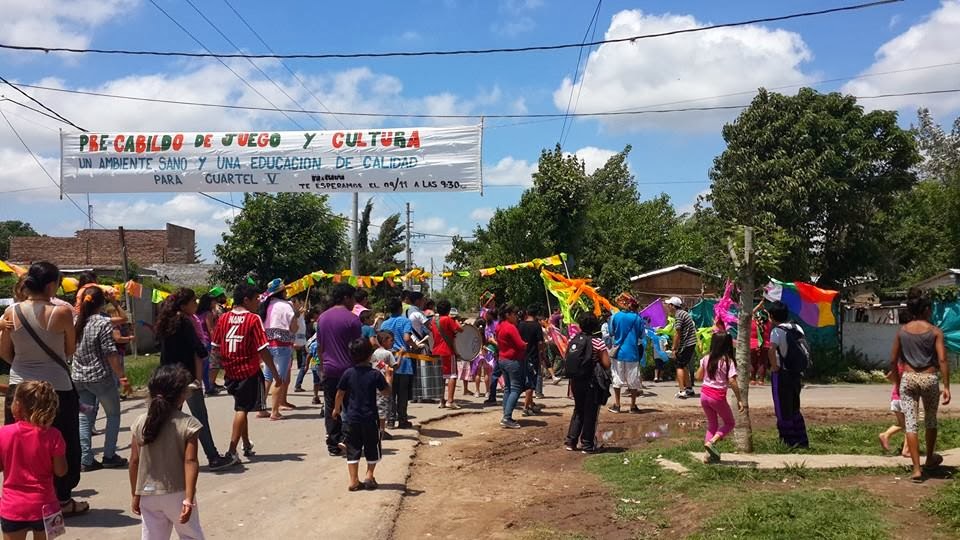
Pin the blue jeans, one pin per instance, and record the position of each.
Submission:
(105, 391)
(514, 376)
(282, 359)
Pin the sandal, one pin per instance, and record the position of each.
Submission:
(884, 442)
(277, 417)
(316, 401)
(359, 487)
(371, 484)
(918, 479)
(75, 508)
(288, 407)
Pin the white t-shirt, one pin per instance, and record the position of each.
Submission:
(418, 320)
(279, 316)
(778, 337)
(300, 339)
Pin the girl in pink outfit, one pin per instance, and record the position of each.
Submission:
(31, 453)
(897, 410)
(718, 371)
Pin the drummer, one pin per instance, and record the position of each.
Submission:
(444, 337)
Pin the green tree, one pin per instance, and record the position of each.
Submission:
(383, 250)
(286, 235)
(813, 173)
(13, 228)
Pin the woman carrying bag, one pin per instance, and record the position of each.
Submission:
(42, 338)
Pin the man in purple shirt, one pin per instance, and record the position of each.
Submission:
(336, 328)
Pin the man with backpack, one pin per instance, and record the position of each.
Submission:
(789, 359)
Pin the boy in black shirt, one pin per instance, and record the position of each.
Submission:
(357, 392)
(532, 333)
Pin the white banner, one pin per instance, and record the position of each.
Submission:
(379, 160)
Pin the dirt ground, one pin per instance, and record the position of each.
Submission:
(497, 483)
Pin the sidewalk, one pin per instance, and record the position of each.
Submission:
(951, 458)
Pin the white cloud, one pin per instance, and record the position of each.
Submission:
(509, 171)
(482, 214)
(204, 216)
(411, 35)
(672, 69)
(690, 206)
(47, 22)
(515, 18)
(932, 41)
(23, 180)
(593, 157)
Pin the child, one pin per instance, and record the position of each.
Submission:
(898, 412)
(718, 370)
(358, 391)
(384, 362)
(366, 330)
(163, 458)
(242, 344)
(31, 452)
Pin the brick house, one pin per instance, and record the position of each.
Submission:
(101, 248)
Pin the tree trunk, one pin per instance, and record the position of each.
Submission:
(743, 432)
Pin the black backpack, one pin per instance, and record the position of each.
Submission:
(578, 363)
(797, 359)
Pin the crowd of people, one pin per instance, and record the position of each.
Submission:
(67, 363)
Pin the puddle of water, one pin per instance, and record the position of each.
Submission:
(649, 432)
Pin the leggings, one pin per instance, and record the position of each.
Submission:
(714, 407)
(914, 388)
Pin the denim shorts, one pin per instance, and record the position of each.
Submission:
(283, 359)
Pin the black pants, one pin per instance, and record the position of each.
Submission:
(68, 422)
(586, 409)
(402, 386)
(334, 425)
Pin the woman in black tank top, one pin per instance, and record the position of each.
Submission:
(919, 347)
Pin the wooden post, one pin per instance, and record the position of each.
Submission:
(743, 432)
(126, 293)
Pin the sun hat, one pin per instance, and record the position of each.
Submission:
(274, 287)
(674, 301)
(627, 301)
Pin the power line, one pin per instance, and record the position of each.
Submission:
(250, 60)
(44, 169)
(31, 98)
(591, 24)
(317, 56)
(282, 63)
(220, 59)
(447, 116)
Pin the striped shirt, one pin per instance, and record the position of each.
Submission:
(686, 328)
(239, 337)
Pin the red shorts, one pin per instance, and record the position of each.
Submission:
(448, 367)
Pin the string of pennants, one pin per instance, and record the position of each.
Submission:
(391, 278)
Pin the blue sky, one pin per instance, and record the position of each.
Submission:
(671, 152)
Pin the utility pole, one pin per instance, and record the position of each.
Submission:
(409, 234)
(126, 292)
(431, 275)
(355, 236)
(89, 213)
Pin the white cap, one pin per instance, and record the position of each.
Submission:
(675, 301)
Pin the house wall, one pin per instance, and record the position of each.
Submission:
(102, 247)
(682, 283)
(872, 340)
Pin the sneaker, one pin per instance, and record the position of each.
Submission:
(115, 462)
(342, 446)
(336, 452)
(537, 407)
(95, 466)
(556, 380)
(588, 450)
(490, 403)
(635, 410)
(509, 423)
(529, 412)
(569, 448)
(316, 401)
(614, 408)
(404, 425)
(690, 393)
(212, 391)
(539, 395)
(222, 462)
(391, 424)
(298, 389)
(658, 380)
(232, 459)
(248, 450)
(680, 395)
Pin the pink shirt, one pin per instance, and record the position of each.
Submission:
(27, 452)
(725, 370)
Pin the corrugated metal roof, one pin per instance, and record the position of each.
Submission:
(670, 269)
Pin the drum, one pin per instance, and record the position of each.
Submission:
(468, 342)
(428, 382)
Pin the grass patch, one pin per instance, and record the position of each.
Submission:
(139, 368)
(945, 504)
(546, 533)
(801, 513)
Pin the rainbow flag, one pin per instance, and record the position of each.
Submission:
(814, 306)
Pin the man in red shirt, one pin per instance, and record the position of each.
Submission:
(444, 336)
(242, 344)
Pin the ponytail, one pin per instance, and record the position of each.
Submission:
(167, 385)
(91, 302)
